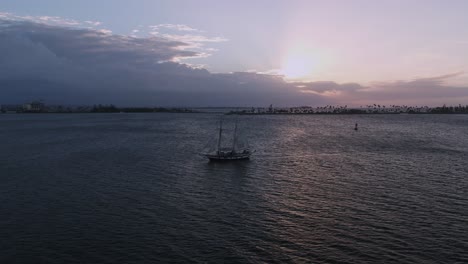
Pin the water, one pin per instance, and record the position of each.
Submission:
(129, 188)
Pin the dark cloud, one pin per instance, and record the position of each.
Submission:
(71, 65)
(432, 90)
(76, 65)
(92, 46)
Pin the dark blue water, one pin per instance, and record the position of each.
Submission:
(130, 188)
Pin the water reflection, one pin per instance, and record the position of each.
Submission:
(315, 191)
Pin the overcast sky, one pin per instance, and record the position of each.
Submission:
(239, 53)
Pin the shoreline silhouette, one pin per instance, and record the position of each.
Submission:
(41, 107)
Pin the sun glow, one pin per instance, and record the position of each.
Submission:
(300, 63)
(297, 67)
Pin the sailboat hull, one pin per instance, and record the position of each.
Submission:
(228, 157)
(228, 153)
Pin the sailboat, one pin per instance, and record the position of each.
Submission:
(233, 152)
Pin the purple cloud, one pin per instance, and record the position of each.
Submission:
(430, 90)
(50, 59)
(80, 65)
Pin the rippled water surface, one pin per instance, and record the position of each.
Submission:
(130, 188)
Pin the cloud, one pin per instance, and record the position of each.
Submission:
(49, 20)
(93, 23)
(74, 65)
(177, 27)
(92, 46)
(65, 61)
(195, 38)
(57, 20)
(422, 90)
(329, 87)
(429, 90)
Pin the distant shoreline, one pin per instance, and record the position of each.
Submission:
(38, 107)
(347, 114)
(229, 113)
(344, 110)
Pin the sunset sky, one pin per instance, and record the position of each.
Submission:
(236, 53)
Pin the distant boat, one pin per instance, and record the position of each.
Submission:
(235, 151)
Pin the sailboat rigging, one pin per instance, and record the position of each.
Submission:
(235, 152)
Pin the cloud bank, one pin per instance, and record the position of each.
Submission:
(430, 91)
(64, 61)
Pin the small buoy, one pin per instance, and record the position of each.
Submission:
(355, 127)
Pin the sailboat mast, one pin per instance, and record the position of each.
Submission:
(235, 138)
(220, 134)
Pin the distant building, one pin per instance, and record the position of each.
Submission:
(34, 107)
(9, 109)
